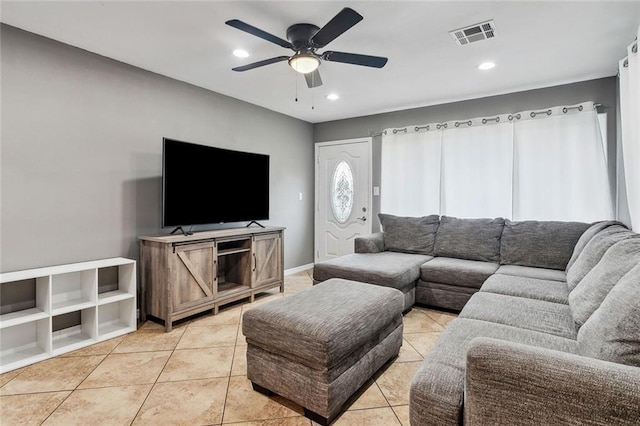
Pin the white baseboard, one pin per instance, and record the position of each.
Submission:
(298, 269)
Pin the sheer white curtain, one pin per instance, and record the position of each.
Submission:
(528, 165)
(560, 171)
(410, 172)
(630, 123)
(476, 169)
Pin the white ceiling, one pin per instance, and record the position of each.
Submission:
(539, 44)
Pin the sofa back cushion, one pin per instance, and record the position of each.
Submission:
(409, 234)
(596, 285)
(472, 239)
(593, 252)
(539, 244)
(611, 333)
(588, 235)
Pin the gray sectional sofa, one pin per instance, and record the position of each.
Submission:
(549, 324)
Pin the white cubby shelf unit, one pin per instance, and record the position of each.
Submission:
(99, 296)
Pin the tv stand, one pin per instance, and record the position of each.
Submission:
(252, 222)
(184, 275)
(181, 229)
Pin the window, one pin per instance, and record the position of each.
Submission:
(342, 192)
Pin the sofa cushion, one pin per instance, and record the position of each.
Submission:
(472, 239)
(612, 332)
(443, 295)
(389, 269)
(585, 298)
(437, 388)
(586, 236)
(530, 288)
(530, 314)
(530, 272)
(593, 252)
(409, 234)
(448, 270)
(541, 244)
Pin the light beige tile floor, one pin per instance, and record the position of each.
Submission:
(196, 375)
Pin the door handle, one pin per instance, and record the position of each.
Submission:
(363, 218)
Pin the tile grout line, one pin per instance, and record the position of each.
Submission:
(233, 356)
(153, 385)
(82, 381)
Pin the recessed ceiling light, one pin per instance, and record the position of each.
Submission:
(486, 66)
(333, 97)
(241, 53)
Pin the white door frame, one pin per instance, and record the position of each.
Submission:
(369, 141)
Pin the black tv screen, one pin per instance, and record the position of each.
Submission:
(204, 185)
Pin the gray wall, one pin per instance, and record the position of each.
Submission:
(602, 91)
(81, 154)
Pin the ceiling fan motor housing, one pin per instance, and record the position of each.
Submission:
(305, 40)
(299, 35)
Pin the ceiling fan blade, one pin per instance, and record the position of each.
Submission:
(242, 26)
(313, 79)
(260, 63)
(340, 23)
(355, 59)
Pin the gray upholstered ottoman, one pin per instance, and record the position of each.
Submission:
(319, 346)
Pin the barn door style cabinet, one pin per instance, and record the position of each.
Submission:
(185, 275)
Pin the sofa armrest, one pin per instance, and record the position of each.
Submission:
(372, 243)
(514, 384)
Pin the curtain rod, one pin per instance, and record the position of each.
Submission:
(373, 133)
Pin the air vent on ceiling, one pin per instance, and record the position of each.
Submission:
(473, 33)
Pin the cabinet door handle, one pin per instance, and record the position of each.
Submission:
(255, 262)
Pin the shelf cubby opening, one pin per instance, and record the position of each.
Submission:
(234, 269)
(71, 337)
(24, 301)
(73, 291)
(107, 279)
(24, 344)
(234, 246)
(116, 318)
(116, 283)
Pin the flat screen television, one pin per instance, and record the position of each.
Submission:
(206, 185)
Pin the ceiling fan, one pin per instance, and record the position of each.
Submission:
(305, 40)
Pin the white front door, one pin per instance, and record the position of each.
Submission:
(343, 196)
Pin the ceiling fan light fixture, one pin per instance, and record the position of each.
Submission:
(304, 63)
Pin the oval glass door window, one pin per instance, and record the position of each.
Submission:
(342, 192)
